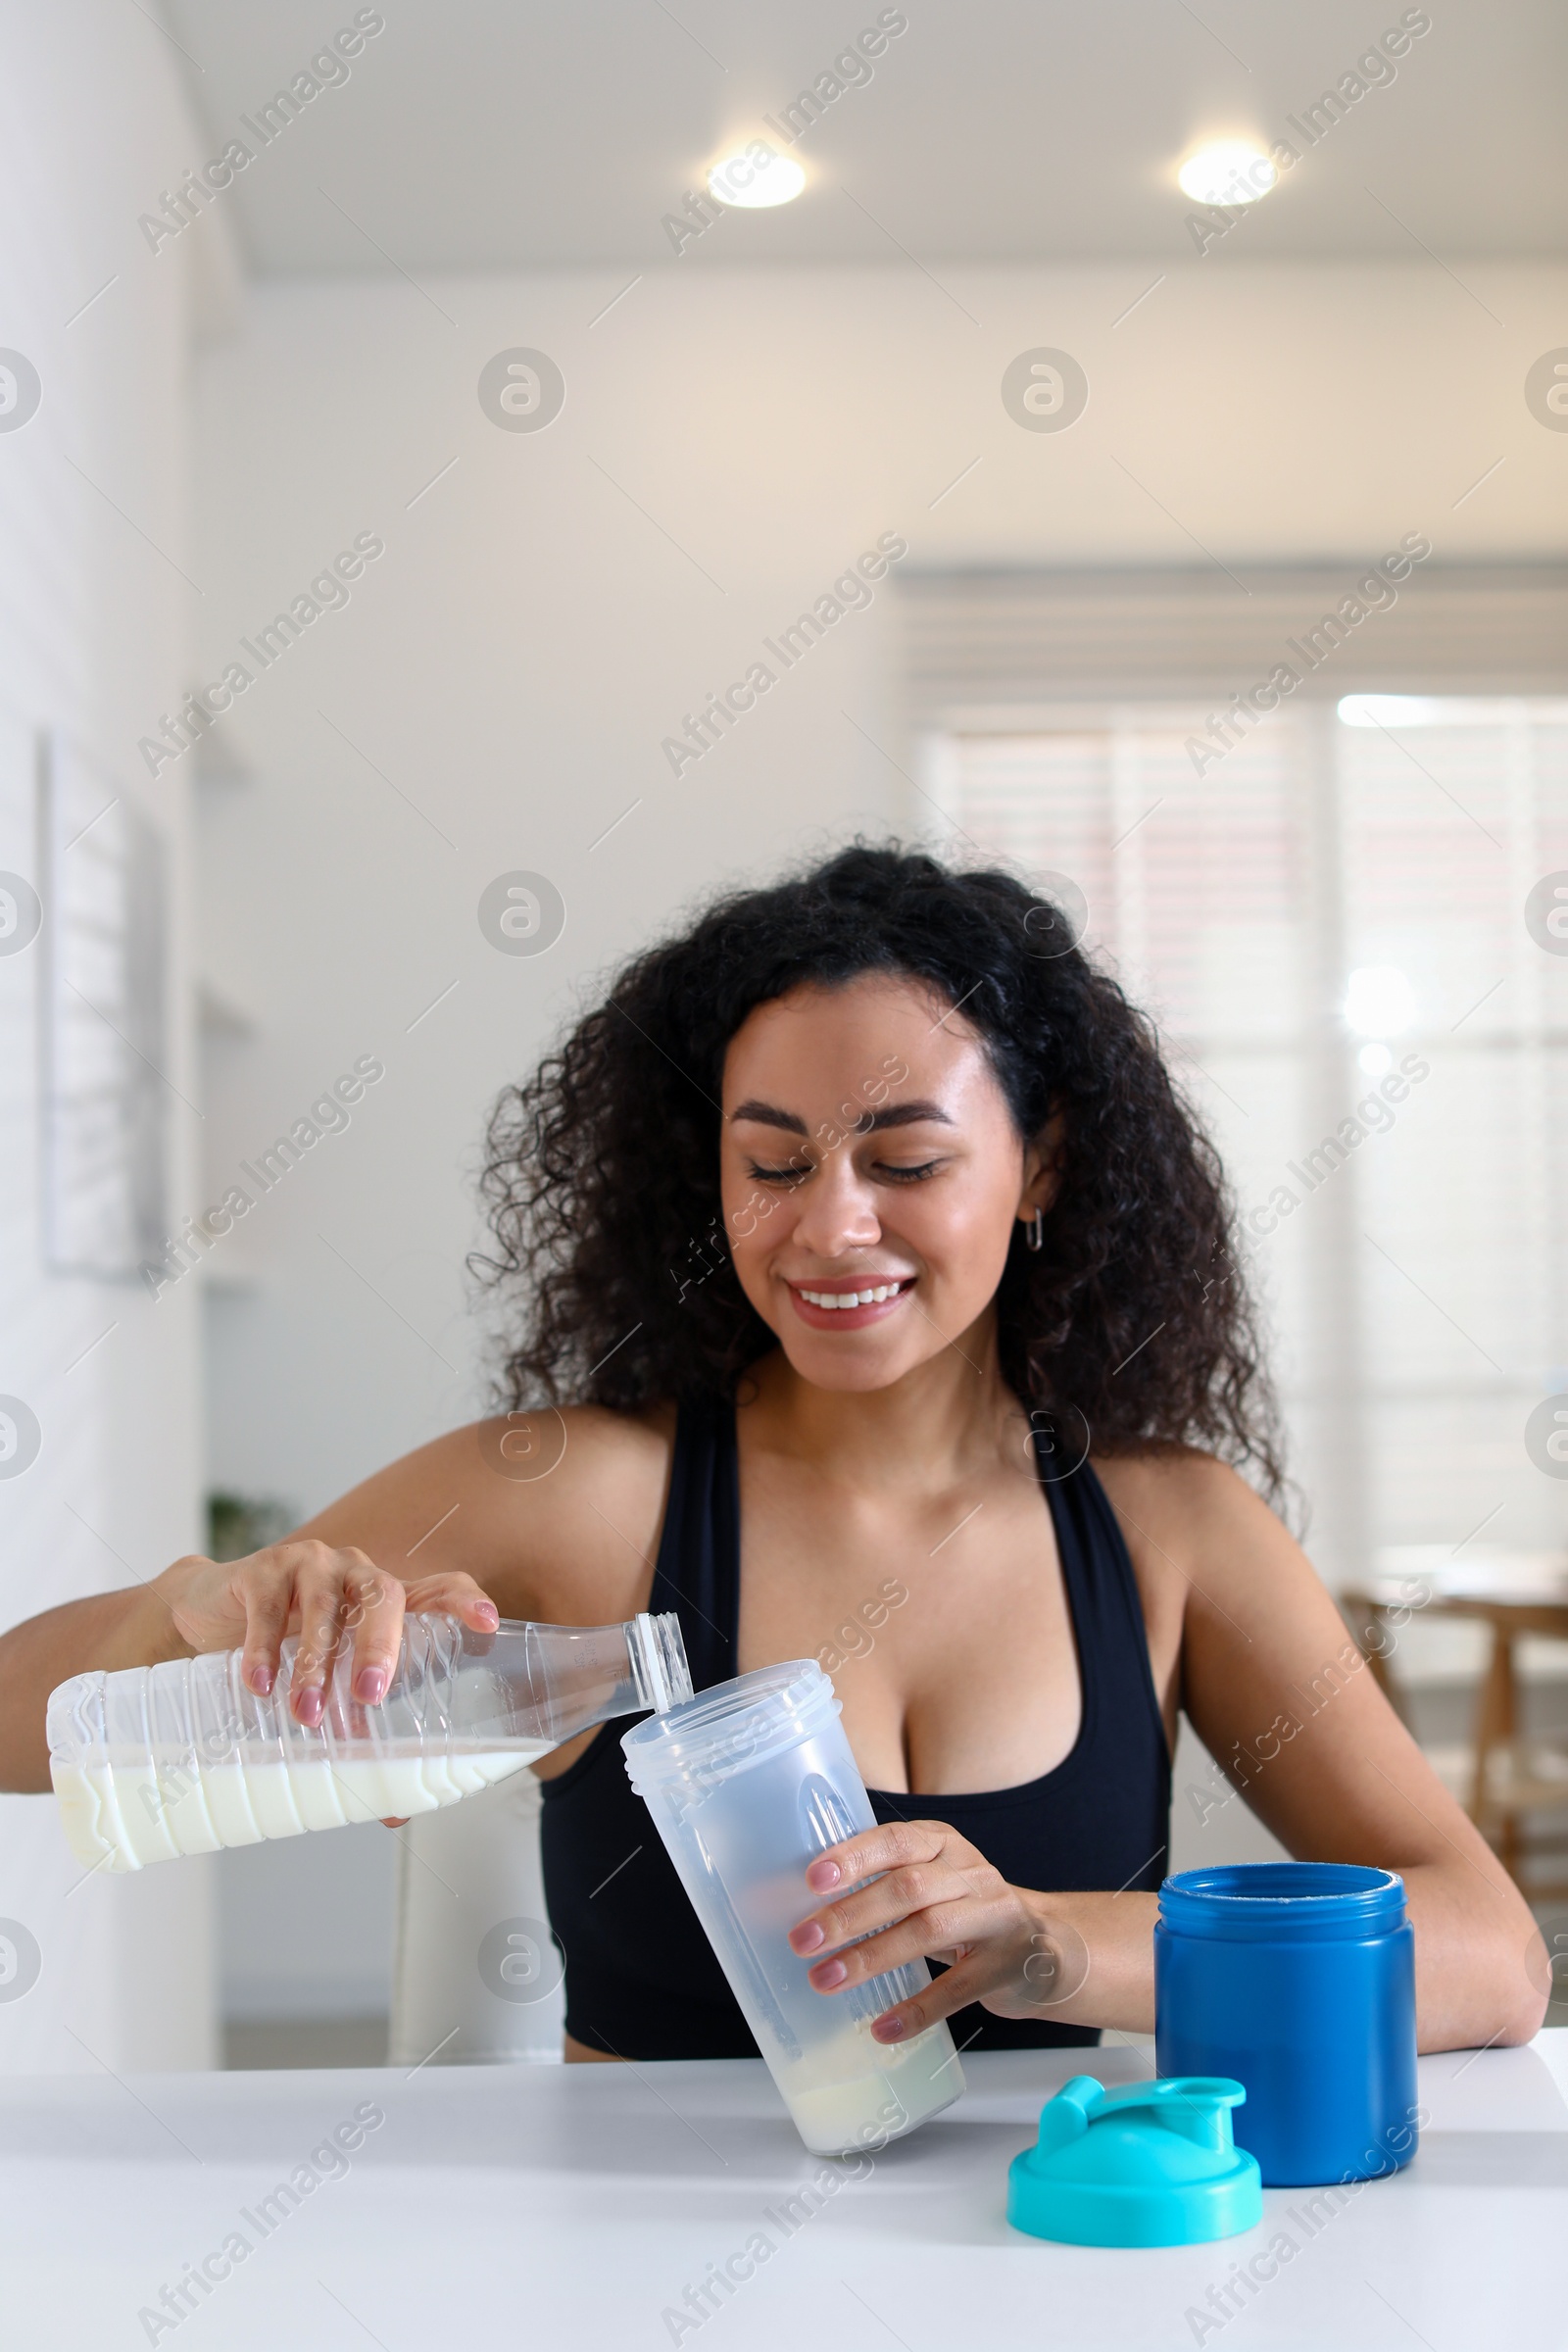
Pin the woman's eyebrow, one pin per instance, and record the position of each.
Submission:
(893, 1115)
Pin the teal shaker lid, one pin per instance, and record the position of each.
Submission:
(1149, 2163)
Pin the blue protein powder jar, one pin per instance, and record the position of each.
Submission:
(1299, 1980)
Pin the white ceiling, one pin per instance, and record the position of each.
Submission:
(504, 133)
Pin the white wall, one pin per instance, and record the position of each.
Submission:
(513, 661)
(95, 637)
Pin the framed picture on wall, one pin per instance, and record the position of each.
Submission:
(104, 1108)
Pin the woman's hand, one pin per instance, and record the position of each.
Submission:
(1015, 1952)
(322, 1594)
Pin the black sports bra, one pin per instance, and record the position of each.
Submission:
(642, 1981)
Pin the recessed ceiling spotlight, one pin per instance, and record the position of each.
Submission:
(1231, 172)
(756, 177)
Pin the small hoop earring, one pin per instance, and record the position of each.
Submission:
(1034, 1233)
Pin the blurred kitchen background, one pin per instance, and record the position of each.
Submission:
(1137, 443)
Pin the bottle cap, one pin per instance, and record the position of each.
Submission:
(1149, 2163)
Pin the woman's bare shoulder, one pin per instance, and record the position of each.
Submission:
(1191, 1524)
(1179, 1490)
(552, 1511)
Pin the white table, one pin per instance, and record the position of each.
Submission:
(545, 2208)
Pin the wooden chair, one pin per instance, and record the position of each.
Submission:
(1509, 1776)
(475, 1977)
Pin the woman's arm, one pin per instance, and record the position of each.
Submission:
(443, 1529)
(1281, 1697)
(135, 1628)
(299, 1586)
(1279, 1694)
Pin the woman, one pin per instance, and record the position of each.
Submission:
(889, 1279)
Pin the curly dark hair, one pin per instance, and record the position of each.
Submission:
(602, 1176)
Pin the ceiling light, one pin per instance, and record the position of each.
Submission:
(756, 177)
(1231, 172)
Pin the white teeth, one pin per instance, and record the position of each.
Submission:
(848, 1299)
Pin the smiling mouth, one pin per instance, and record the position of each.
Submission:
(867, 1295)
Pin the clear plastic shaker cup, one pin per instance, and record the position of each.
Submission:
(746, 1783)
